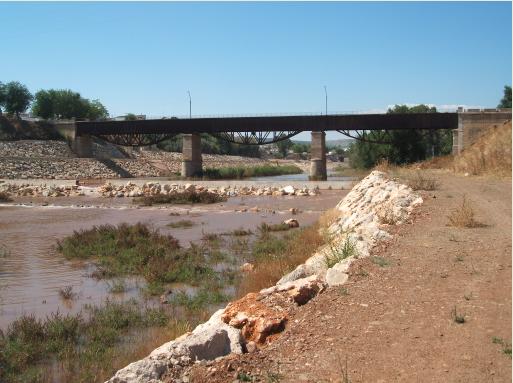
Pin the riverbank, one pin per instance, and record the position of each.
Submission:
(431, 304)
(258, 318)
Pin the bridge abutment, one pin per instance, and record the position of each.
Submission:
(473, 123)
(83, 146)
(191, 155)
(318, 170)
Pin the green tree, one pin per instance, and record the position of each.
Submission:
(284, 146)
(17, 98)
(43, 105)
(96, 110)
(364, 154)
(69, 104)
(130, 117)
(300, 148)
(405, 145)
(2, 97)
(506, 99)
(66, 104)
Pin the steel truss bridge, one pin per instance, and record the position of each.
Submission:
(264, 130)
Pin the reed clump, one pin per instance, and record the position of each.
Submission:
(273, 257)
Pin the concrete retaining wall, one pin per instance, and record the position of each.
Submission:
(472, 124)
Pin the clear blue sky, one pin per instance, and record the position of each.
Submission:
(246, 58)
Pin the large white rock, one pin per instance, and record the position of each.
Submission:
(208, 341)
(337, 275)
(289, 189)
(360, 221)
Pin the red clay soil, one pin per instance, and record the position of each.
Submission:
(396, 320)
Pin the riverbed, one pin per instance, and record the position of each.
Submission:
(32, 272)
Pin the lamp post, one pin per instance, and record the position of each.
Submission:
(326, 102)
(190, 104)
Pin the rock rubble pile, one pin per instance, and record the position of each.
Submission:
(28, 190)
(55, 160)
(33, 148)
(363, 215)
(131, 189)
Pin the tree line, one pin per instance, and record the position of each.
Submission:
(15, 98)
(407, 146)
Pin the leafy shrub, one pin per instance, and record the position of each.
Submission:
(186, 197)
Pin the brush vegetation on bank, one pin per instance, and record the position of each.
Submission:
(186, 197)
(265, 227)
(138, 250)
(489, 155)
(83, 345)
(5, 197)
(240, 172)
(274, 256)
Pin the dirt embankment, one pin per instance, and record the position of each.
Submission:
(489, 155)
(431, 305)
(26, 159)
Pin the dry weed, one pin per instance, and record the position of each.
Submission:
(328, 218)
(421, 181)
(463, 216)
(386, 216)
(5, 197)
(270, 269)
(490, 154)
(383, 165)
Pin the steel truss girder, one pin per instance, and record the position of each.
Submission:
(256, 137)
(383, 137)
(135, 139)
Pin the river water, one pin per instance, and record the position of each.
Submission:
(32, 272)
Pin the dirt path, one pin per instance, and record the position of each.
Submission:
(395, 323)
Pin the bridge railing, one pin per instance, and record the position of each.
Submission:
(246, 115)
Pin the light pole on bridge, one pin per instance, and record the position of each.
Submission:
(326, 102)
(190, 104)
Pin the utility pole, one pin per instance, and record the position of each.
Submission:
(190, 105)
(326, 93)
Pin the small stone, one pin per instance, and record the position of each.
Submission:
(251, 347)
(291, 222)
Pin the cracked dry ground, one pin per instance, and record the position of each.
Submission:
(395, 323)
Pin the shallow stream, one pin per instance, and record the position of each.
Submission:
(32, 272)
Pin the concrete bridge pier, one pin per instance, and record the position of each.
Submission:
(191, 155)
(83, 146)
(318, 170)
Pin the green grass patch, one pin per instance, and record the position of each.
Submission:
(202, 298)
(240, 232)
(268, 246)
(380, 261)
(265, 228)
(83, 344)
(506, 346)
(240, 172)
(117, 286)
(138, 250)
(67, 293)
(182, 224)
(337, 254)
(186, 197)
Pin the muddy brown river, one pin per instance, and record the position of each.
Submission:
(32, 272)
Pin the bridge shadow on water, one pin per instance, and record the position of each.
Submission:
(123, 173)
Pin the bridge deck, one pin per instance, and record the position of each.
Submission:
(432, 121)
